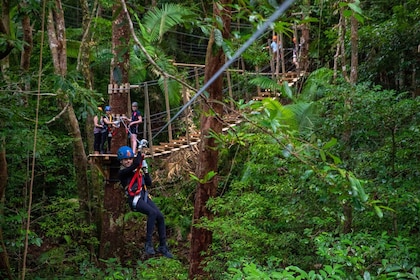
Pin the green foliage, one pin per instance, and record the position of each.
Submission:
(206, 178)
(158, 21)
(244, 269)
(64, 221)
(255, 56)
(358, 252)
(153, 268)
(264, 212)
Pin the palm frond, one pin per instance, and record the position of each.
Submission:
(159, 20)
(314, 86)
(266, 83)
(305, 115)
(174, 89)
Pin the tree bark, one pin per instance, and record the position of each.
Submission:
(57, 42)
(354, 50)
(114, 202)
(208, 157)
(4, 257)
(304, 40)
(25, 59)
(5, 28)
(348, 217)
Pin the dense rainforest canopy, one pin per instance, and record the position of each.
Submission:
(318, 181)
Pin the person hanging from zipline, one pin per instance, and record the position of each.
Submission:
(135, 178)
(133, 126)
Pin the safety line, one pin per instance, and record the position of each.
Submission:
(281, 9)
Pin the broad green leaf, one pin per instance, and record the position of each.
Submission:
(330, 143)
(322, 154)
(355, 8)
(378, 211)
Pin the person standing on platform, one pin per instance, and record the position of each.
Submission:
(99, 130)
(108, 120)
(133, 126)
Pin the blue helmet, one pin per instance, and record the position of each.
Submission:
(125, 152)
(107, 108)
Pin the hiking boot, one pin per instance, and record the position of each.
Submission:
(148, 247)
(163, 249)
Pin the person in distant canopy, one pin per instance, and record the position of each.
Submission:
(134, 177)
(274, 46)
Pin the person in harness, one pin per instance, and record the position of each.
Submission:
(99, 132)
(109, 121)
(135, 178)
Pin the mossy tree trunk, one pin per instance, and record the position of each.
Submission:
(212, 110)
(57, 42)
(114, 203)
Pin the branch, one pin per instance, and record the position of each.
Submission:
(59, 114)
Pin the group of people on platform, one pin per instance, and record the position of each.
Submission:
(105, 128)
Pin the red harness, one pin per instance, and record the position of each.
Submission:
(139, 177)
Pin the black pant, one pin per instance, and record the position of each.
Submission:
(153, 216)
(97, 141)
(104, 138)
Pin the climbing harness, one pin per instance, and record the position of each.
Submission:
(111, 128)
(136, 185)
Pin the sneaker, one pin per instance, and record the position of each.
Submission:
(148, 247)
(165, 251)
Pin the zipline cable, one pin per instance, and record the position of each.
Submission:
(280, 10)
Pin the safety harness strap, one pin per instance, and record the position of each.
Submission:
(139, 177)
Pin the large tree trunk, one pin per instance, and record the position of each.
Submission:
(57, 42)
(208, 156)
(112, 221)
(83, 66)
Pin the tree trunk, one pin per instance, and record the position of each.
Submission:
(5, 30)
(25, 58)
(83, 66)
(304, 41)
(348, 217)
(114, 202)
(57, 42)
(342, 42)
(354, 50)
(4, 257)
(208, 156)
